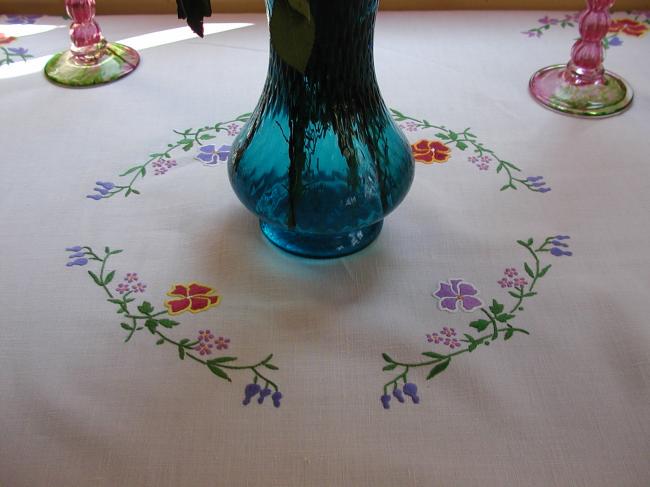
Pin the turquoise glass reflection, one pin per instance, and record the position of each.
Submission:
(320, 161)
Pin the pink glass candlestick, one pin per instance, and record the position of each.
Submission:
(583, 87)
(91, 59)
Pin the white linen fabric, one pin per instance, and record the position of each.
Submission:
(567, 405)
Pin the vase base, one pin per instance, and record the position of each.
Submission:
(321, 246)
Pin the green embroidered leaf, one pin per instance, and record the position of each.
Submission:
(109, 277)
(509, 333)
(292, 34)
(218, 372)
(453, 135)
(543, 272)
(442, 136)
(168, 323)
(113, 252)
(514, 294)
(530, 295)
(115, 301)
(268, 358)
(187, 147)
(499, 168)
(184, 341)
(134, 191)
(160, 342)
(504, 317)
(151, 325)
(433, 355)
(181, 352)
(508, 186)
(207, 137)
(270, 366)
(496, 307)
(126, 326)
(389, 367)
(479, 325)
(398, 116)
(438, 369)
(461, 145)
(95, 278)
(386, 357)
(530, 241)
(145, 308)
(529, 271)
(220, 360)
(185, 142)
(522, 243)
(143, 171)
(129, 171)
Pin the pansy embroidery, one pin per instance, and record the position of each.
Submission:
(193, 298)
(455, 294)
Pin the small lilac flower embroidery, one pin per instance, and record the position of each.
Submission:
(138, 287)
(233, 129)
(457, 294)
(559, 245)
(18, 51)
(102, 190)
(547, 20)
(131, 277)
(205, 336)
(211, 156)
(204, 348)
(434, 338)
(222, 343)
(505, 282)
(77, 256)
(511, 272)
(122, 288)
(409, 126)
(520, 282)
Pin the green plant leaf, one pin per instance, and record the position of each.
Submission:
(168, 323)
(145, 308)
(504, 317)
(292, 34)
(218, 372)
(461, 145)
(543, 272)
(434, 355)
(221, 360)
(496, 307)
(126, 326)
(386, 357)
(529, 271)
(509, 333)
(160, 342)
(479, 325)
(131, 170)
(438, 369)
(270, 366)
(181, 352)
(109, 277)
(95, 278)
(151, 325)
(389, 367)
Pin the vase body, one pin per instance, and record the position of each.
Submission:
(320, 161)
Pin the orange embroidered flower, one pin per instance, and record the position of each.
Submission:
(430, 151)
(193, 298)
(6, 39)
(629, 27)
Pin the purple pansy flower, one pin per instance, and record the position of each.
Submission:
(18, 51)
(211, 156)
(457, 294)
(615, 41)
(22, 19)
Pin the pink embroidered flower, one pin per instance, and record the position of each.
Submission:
(138, 287)
(457, 294)
(505, 282)
(483, 166)
(520, 282)
(233, 129)
(169, 163)
(472, 159)
(204, 348)
(434, 338)
(409, 126)
(205, 336)
(452, 343)
(122, 288)
(511, 272)
(131, 277)
(159, 171)
(222, 343)
(486, 159)
(448, 332)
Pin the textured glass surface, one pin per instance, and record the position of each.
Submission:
(321, 160)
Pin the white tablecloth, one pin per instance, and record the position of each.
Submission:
(562, 402)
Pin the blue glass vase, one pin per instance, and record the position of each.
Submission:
(320, 161)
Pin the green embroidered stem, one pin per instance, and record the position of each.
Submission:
(497, 318)
(153, 323)
(189, 138)
(9, 57)
(464, 140)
